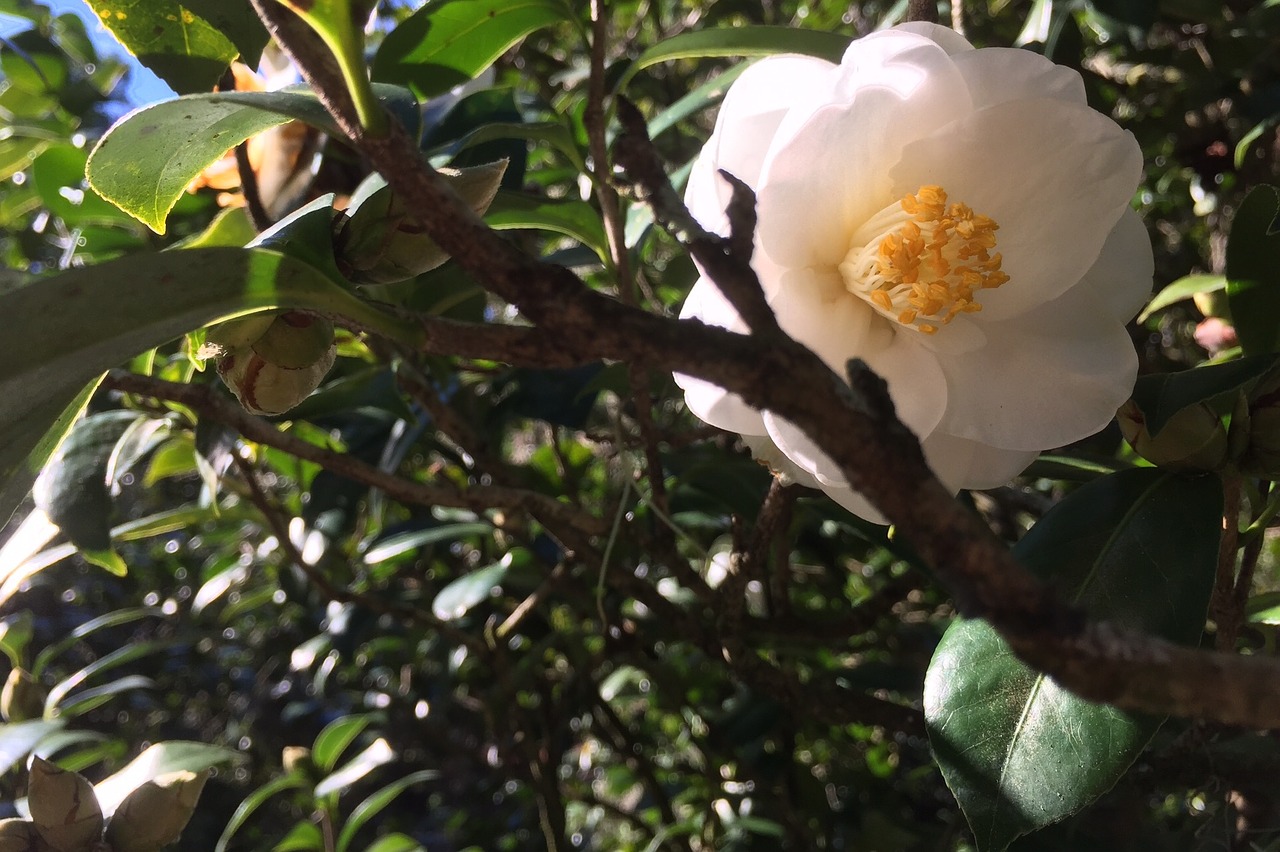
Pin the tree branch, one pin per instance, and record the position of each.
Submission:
(1101, 662)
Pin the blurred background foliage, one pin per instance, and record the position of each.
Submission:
(453, 680)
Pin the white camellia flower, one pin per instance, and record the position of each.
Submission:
(957, 218)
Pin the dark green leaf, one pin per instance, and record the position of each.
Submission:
(448, 42)
(1182, 289)
(575, 219)
(236, 20)
(468, 590)
(1138, 548)
(145, 162)
(740, 41)
(96, 317)
(374, 805)
(334, 739)
(1162, 395)
(1253, 271)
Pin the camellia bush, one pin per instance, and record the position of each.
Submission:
(643, 425)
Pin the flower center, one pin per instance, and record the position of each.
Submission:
(920, 261)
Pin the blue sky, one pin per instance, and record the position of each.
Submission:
(141, 86)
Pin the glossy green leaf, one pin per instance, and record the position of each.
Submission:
(1253, 271)
(448, 42)
(376, 754)
(372, 806)
(740, 41)
(182, 48)
(159, 759)
(1181, 290)
(97, 317)
(1162, 395)
(552, 133)
(19, 738)
(302, 837)
(462, 594)
(254, 801)
(396, 843)
(89, 699)
(576, 219)
(145, 161)
(118, 657)
(236, 20)
(394, 545)
(333, 740)
(1138, 548)
(93, 625)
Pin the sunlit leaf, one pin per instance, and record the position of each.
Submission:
(1139, 548)
(1253, 271)
(448, 42)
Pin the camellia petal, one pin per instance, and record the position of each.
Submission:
(834, 163)
(956, 218)
(753, 108)
(1055, 177)
(999, 74)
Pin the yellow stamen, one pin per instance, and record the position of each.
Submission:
(920, 261)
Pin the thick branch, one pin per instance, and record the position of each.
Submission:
(1098, 661)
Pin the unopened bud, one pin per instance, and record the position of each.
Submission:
(382, 242)
(154, 814)
(19, 835)
(1192, 439)
(283, 365)
(63, 807)
(1262, 455)
(21, 698)
(296, 757)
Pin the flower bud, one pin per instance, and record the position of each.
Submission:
(282, 366)
(382, 242)
(296, 757)
(63, 807)
(1262, 455)
(19, 835)
(21, 698)
(154, 814)
(1192, 439)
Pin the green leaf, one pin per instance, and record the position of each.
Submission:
(96, 317)
(1138, 548)
(575, 219)
(19, 738)
(448, 42)
(118, 657)
(1181, 290)
(145, 161)
(303, 837)
(374, 755)
(111, 619)
(1253, 271)
(396, 843)
(333, 740)
(739, 41)
(31, 452)
(394, 545)
(552, 133)
(159, 759)
(236, 20)
(372, 806)
(455, 599)
(182, 48)
(1162, 395)
(254, 801)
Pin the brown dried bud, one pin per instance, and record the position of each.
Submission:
(154, 814)
(1192, 439)
(283, 365)
(21, 698)
(63, 807)
(19, 835)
